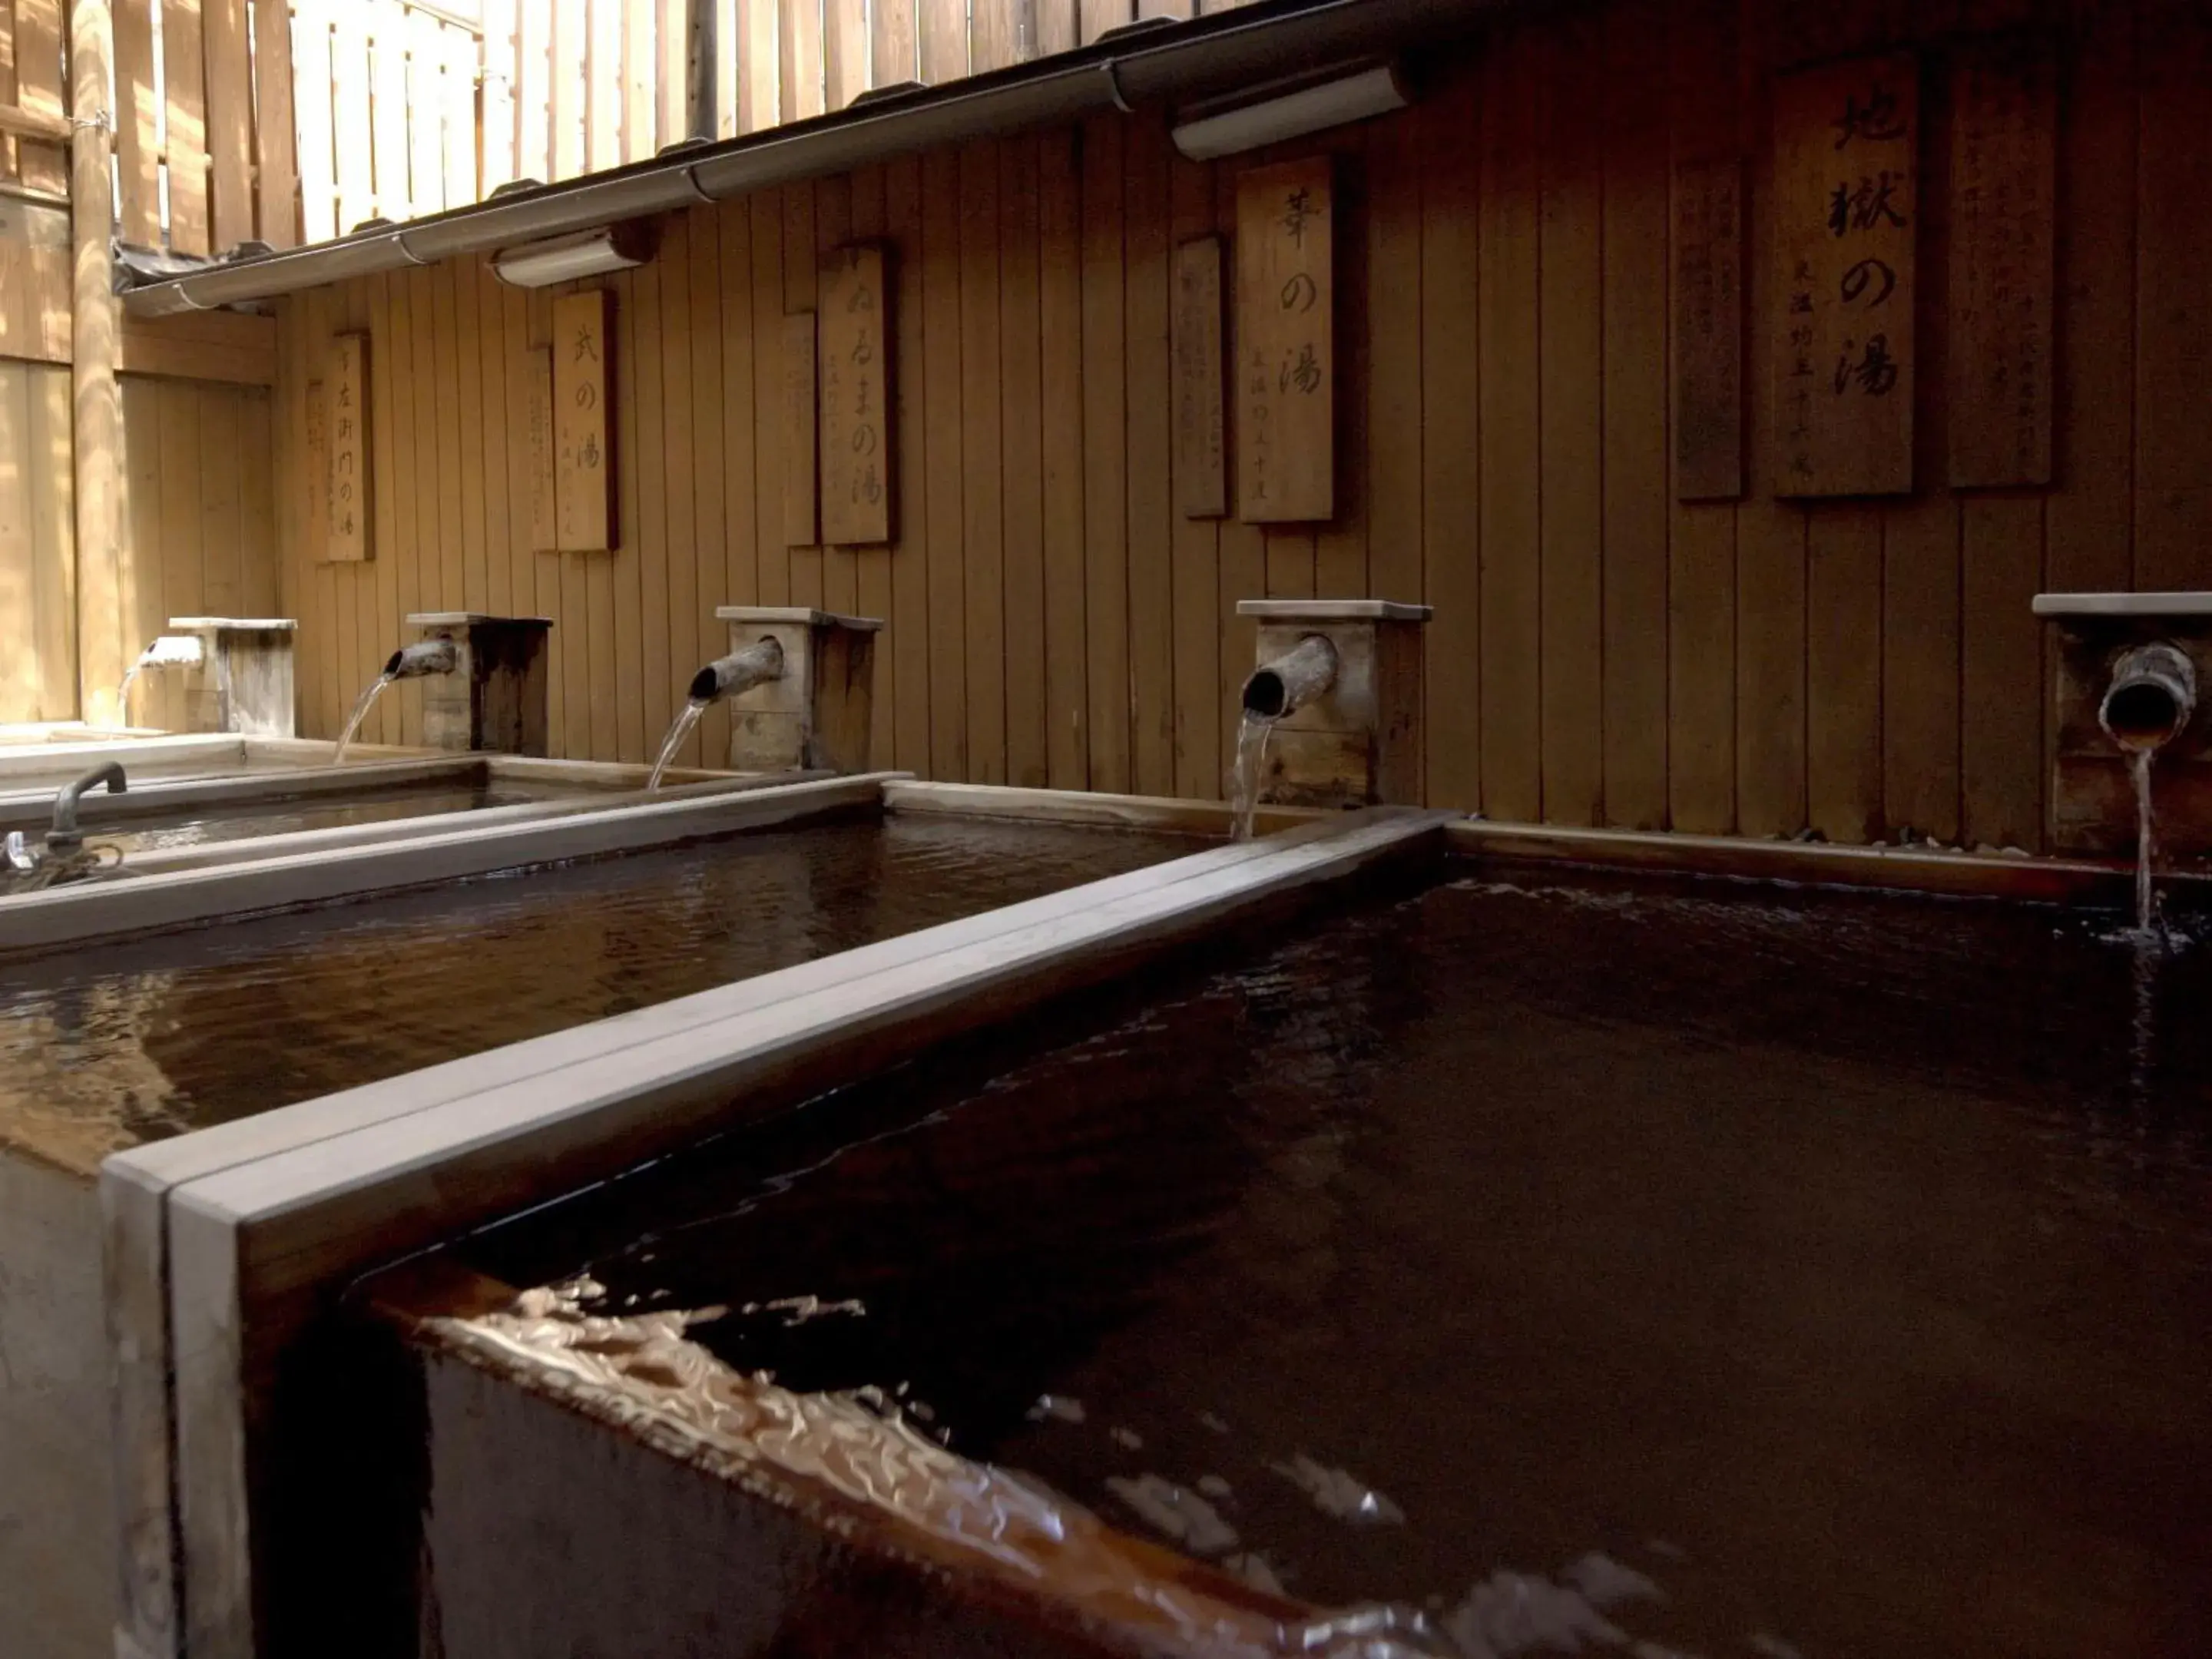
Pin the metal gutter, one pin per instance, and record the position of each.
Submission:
(1201, 59)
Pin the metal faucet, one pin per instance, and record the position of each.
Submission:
(58, 860)
(64, 836)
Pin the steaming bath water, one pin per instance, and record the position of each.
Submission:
(1731, 1271)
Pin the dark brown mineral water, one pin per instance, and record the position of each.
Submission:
(103, 1047)
(1733, 1271)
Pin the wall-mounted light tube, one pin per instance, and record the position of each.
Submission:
(1218, 131)
(541, 265)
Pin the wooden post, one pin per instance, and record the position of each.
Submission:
(99, 404)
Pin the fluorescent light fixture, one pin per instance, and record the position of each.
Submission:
(594, 253)
(1223, 129)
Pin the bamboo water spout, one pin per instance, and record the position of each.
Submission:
(427, 657)
(739, 672)
(1280, 688)
(2151, 698)
(725, 677)
(1276, 690)
(2149, 703)
(409, 662)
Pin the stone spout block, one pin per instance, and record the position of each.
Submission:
(494, 697)
(1353, 737)
(243, 681)
(816, 713)
(2129, 666)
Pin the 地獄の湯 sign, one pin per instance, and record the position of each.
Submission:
(1847, 214)
(853, 340)
(1285, 372)
(2003, 196)
(583, 470)
(345, 428)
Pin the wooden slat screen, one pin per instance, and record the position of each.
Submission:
(293, 120)
(206, 144)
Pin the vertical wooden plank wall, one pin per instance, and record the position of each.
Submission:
(1603, 651)
(38, 555)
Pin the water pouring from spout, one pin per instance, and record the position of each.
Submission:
(169, 651)
(408, 663)
(2150, 700)
(679, 729)
(725, 677)
(1276, 690)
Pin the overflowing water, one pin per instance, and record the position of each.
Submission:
(1807, 1272)
(679, 729)
(359, 713)
(1252, 735)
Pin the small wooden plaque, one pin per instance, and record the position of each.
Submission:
(319, 469)
(583, 469)
(1708, 258)
(537, 371)
(1847, 217)
(800, 430)
(1201, 469)
(2004, 185)
(347, 423)
(856, 466)
(1285, 344)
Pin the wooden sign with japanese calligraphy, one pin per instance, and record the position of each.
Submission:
(2004, 196)
(537, 371)
(1708, 348)
(1201, 479)
(1285, 372)
(319, 469)
(800, 430)
(1847, 216)
(583, 473)
(345, 417)
(855, 388)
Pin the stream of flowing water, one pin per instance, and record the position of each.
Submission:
(2139, 761)
(679, 729)
(122, 695)
(1251, 755)
(360, 713)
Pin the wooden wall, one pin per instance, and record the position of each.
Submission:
(1601, 653)
(38, 546)
(197, 508)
